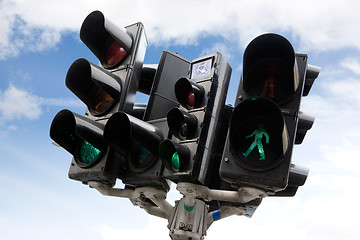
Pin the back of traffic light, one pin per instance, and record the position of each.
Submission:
(188, 153)
(105, 89)
(264, 122)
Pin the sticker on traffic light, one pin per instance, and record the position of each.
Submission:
(201, 68)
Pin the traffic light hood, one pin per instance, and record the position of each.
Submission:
(99, 35)
(269, 68)
(122, 130)
(97, 88)
(70, 130)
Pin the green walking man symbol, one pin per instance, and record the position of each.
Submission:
(259, 133)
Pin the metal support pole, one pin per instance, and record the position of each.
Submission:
(190, 218)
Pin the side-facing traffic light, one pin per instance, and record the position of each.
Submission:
(188, 154)
(264, 122)
(105, 89)
(136, 142)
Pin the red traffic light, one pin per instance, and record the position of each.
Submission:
(109, 43)
(270, 69)
(114, 55)
(189, 94)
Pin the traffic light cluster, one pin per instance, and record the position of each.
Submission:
(186, 132)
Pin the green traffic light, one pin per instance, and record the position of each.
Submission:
(88, 153)
(175, 160)
(258, 135)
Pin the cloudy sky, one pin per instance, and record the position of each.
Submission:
(40, 39)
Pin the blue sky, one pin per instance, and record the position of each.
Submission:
(39, 40)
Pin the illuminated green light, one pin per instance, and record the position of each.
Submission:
(88, 153)
(258, 135)
(175, 160)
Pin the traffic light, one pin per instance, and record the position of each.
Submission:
(105, 89)
(188, 153)
(136, 143)
(83, 138)
(121, 51)
(265, 119)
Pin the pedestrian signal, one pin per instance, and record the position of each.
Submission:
(257, 134)
(266, 114)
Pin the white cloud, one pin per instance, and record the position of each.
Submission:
(352, 64)
(222, 48)
(155, 229)
(16, 103)
(316, 25)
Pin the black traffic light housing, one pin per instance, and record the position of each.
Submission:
(104, 39)
(83, 138)
(105, 89)
(189, 152)
(264, 122)
(99, 89)
(136, 140)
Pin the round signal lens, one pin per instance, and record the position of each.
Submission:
(140, 158)
(88, 154)
(175, 161)
(190, 100)
(102, 102)
(114, 55)
(183, 130)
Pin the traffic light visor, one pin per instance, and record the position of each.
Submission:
(189, 94)
(98, 89)
(269, 68)
(78, 135)
(109, 43)
(173, 155)
(134, 139)
(181, 124)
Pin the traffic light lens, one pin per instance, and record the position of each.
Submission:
(102, 102)
(175, 160)
(274, 80)
(190, 100)
(183, 130)
(258, 135)
(114, 55)
(140, 158)
(88, 154)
